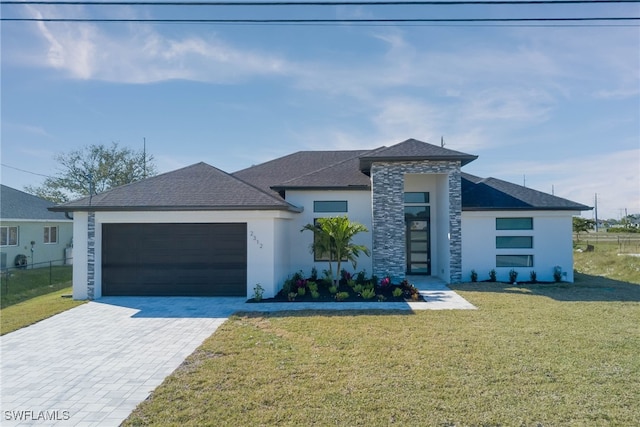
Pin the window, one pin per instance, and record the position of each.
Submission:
(514, 242)
(514, 260)
(330, 206)
(514, 223)
(50, 235)
(416, 197)
(8, 236)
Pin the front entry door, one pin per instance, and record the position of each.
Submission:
(418, 247)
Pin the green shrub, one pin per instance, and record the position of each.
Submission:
(291, 296)
(513, 276)
(258, 291)
(313, 286)
(287, 286)
(492, 275)
(557, 273)
(351, 283)
(474, 276)
(358, 288)
(315, 294)
(341, 296)
(533, 276)
(361, 277)
(314, 275)
(397, 292)
(302, 292)
(368, 293)
(333, 289)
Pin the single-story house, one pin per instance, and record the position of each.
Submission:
(201, 231)
(30, 234)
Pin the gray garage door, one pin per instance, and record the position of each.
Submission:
(174, 259)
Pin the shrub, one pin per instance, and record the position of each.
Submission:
(492, 275)
(341, 296)
(381, 298)
(315, 294)
(258, 291)
(557, 273)
(368, 293)
(314, 274)
(385, 283)
(351, 283)
(333, 289)
(397, 292)
(313, 286)
(474, 276)
(287, 286)
(302, 291)
(291, 296)
(358, 288)
(533, 276)
(361, 277)
(513, 276)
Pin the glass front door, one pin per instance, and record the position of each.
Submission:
(418, 247)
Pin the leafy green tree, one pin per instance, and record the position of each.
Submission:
(334, 236)
(94, 169)
(582, 225)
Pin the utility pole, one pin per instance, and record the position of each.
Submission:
(144, 157)
(596, 211)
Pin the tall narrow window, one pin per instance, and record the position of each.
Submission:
(50, 235)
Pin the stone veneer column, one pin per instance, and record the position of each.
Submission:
(91, 255)
(389, 241)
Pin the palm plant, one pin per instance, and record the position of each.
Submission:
(333, 236)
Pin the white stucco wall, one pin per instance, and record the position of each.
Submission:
(359, 210)
(266, 254)
(552, 244)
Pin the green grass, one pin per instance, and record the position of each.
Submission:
(29, 296)
(22, 285)
(561, 354)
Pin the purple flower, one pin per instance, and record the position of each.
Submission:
(385, 282)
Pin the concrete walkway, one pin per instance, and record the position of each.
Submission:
(93, 364)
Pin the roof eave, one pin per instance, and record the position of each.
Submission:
(310, 187)
(288, 207)
(527, 208)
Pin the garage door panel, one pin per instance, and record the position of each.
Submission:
(174, 259)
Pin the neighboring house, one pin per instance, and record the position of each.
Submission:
(29, 229)
(202, 231)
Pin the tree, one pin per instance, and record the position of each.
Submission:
(94, 169)
(582, 225)
(333, 236)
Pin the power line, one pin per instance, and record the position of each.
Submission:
(26, 171)
(315, 3)
(317, 21)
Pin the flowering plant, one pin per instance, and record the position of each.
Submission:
(385, 282)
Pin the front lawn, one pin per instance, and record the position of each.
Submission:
(530, 355)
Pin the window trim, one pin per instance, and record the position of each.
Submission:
(47, 235)
(317, 208)
(8, 234)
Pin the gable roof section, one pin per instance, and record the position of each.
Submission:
(16, 204)
(307, 170)
(413, 150)
(483, 194)
(196, 187)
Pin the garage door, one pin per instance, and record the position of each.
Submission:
(174, 259)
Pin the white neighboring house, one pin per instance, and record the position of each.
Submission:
(201, 231)
(30, 232)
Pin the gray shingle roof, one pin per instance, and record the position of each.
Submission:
(196, 187)
(16, 204)
(412, 149)
(495, 194)
(308, 169)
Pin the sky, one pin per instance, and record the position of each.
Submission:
(555, 108)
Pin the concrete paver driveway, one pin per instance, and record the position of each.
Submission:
(93, 364)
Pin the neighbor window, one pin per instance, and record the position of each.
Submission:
(514, 223)
(330, 206)
(514, 242)
(514, 260)
(8, 236)
(50, 235)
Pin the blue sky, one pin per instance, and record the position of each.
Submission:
(557, 106)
